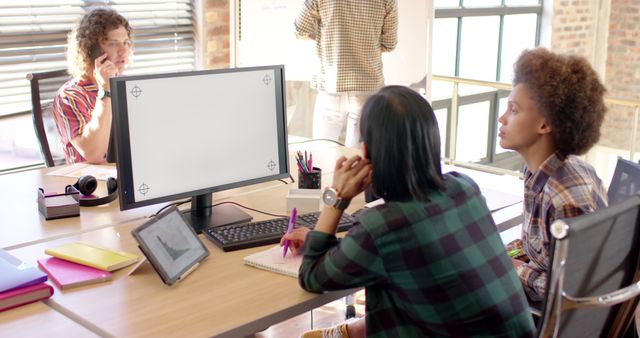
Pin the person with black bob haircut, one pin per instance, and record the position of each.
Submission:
(430, 258)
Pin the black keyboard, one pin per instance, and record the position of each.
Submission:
(249, 235)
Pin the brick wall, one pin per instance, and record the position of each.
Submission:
(574, 31)
(216, 34)
(573, 27)
(622, 76)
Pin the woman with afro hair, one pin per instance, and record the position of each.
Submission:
(554, 113)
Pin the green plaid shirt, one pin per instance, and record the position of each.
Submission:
(350, 36)
(435, 268)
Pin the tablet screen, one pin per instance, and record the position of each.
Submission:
(170, 245)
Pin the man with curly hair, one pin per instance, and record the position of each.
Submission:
(99, 48)
(554, 113)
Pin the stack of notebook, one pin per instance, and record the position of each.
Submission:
(20, 284)
(77, 264)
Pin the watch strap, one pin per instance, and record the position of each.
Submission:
(342, 203)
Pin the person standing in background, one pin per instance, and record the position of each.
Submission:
(99, 49)
(350, 37)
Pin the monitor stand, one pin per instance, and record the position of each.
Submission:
(202, 215)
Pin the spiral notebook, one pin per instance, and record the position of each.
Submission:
(271, 260)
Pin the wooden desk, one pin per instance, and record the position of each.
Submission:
(39, 320)
(21, 224)
(222, 297)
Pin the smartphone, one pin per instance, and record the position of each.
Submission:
(97, 52)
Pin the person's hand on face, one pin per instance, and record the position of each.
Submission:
(352, 176)
(103, 70)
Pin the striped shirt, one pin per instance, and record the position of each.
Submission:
(350, 36)
(429, 269)
(72, 109)
(559, 189)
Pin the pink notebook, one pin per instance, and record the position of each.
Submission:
(67, 274)
(24, 295)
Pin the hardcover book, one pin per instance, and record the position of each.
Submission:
(272, 260)
(93, 256)
(14, 274)
(24, 295)
(67, 274)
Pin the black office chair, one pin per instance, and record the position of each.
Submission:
(593, 284)
(43, 88)
(625, 181)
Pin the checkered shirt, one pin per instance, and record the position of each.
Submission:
(558, 189)
(350, 36)
(429, 269)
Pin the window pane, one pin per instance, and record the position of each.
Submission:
(441, 90)
(465, 89)
(503, 106)
(482, 3)
(472, 131)
(18, 144)
(522, 2)
(34, 38)
(443, 54)
(446, 3)
(441, 117)
(519, 34)
(479, 46)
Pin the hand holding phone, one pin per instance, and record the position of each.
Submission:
(97, 52)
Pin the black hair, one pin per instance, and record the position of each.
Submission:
(400, 132)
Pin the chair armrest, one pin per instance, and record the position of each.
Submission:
(612, 298)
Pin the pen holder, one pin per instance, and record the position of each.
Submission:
(310, 180)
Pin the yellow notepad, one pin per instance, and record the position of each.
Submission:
(93, 256)
(271, 260)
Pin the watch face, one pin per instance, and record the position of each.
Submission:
(103, 93)
(329, 196)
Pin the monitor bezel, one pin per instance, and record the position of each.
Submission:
(123, 145)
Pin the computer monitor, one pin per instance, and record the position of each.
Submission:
(193, 133)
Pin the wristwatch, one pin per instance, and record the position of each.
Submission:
(102, 94)
(330, 197)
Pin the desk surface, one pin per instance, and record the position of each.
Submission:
(221, 297)
(39, 320)
(21, 223)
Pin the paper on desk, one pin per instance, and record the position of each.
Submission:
(100, 172)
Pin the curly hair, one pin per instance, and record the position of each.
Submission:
(92, 29)
(569, 95)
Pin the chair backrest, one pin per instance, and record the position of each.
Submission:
(625, 181)
(593, 286)
(43, 88)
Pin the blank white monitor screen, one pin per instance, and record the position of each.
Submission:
(193, 133)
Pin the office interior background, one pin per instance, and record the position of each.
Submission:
(471, 46)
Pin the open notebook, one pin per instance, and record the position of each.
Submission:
(271, 260)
